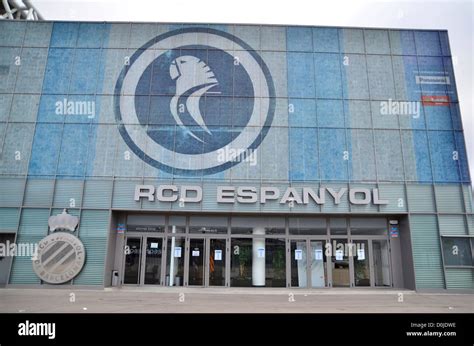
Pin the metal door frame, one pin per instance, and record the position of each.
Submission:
(225, 257)
(207, 248)
(143, 260)
(370, 253)
(141, 266)
(307, 239)
(390, 268)
(131, 236)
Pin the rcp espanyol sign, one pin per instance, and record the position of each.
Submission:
(209, 92)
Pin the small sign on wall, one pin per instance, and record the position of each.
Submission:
(177, 252)
(298, 255)
(218, 255)
(120, 228)
(393, 231)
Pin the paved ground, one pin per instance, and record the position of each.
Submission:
(166, 300)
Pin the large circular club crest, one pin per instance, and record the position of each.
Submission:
(60, 257)
(194, 101)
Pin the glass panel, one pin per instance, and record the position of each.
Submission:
(307, 225)
(154, 247)
(241, 263)
(457, 252)
(208, 225)
(145, 223)
(299, 275)
(258, 225)
(275, 263)
(132, 261)
(196, 262)
(338, 226)
(175, 265)
(318, 264)
(177, 224)
(217, 262)
(368, 226)
(340, 263)
(381, 262)
(360, 253)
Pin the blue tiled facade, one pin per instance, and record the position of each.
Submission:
(325, 127)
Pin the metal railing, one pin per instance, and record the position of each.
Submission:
(19, 9)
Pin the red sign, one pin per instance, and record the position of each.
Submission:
(435, 100)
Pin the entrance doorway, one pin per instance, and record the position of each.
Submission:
(206, 261)
(174, 261)
(371, 263)
(304, 252)
(308, 263)
(339, 263)
(143, 260)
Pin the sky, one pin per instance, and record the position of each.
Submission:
(457, 16)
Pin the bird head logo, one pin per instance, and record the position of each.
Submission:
(193, 79)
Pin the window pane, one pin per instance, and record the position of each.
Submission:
(338, 226)
(145, 223)
(177, 224)
(306, 225)
(208, 225)
(258, 225)
(241, 263)
(457, 252)
(275, 263)
(365, 226)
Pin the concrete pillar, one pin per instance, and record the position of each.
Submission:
(258, 263)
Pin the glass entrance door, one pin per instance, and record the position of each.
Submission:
(308, 263)
(132, 261)
(217, 262)
(299, 263)
(153, 258)
(197, 249)
(381, 262)
(360, 255)
(318, 263)
(340, 263)
(206, 261)
(143, 260)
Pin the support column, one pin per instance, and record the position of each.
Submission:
(173, 270)
(258, 262)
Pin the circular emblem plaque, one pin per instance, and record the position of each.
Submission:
(60, 258)
(212, 101)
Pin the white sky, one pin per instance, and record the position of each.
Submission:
(454, 15)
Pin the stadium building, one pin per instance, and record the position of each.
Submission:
(231, 155)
